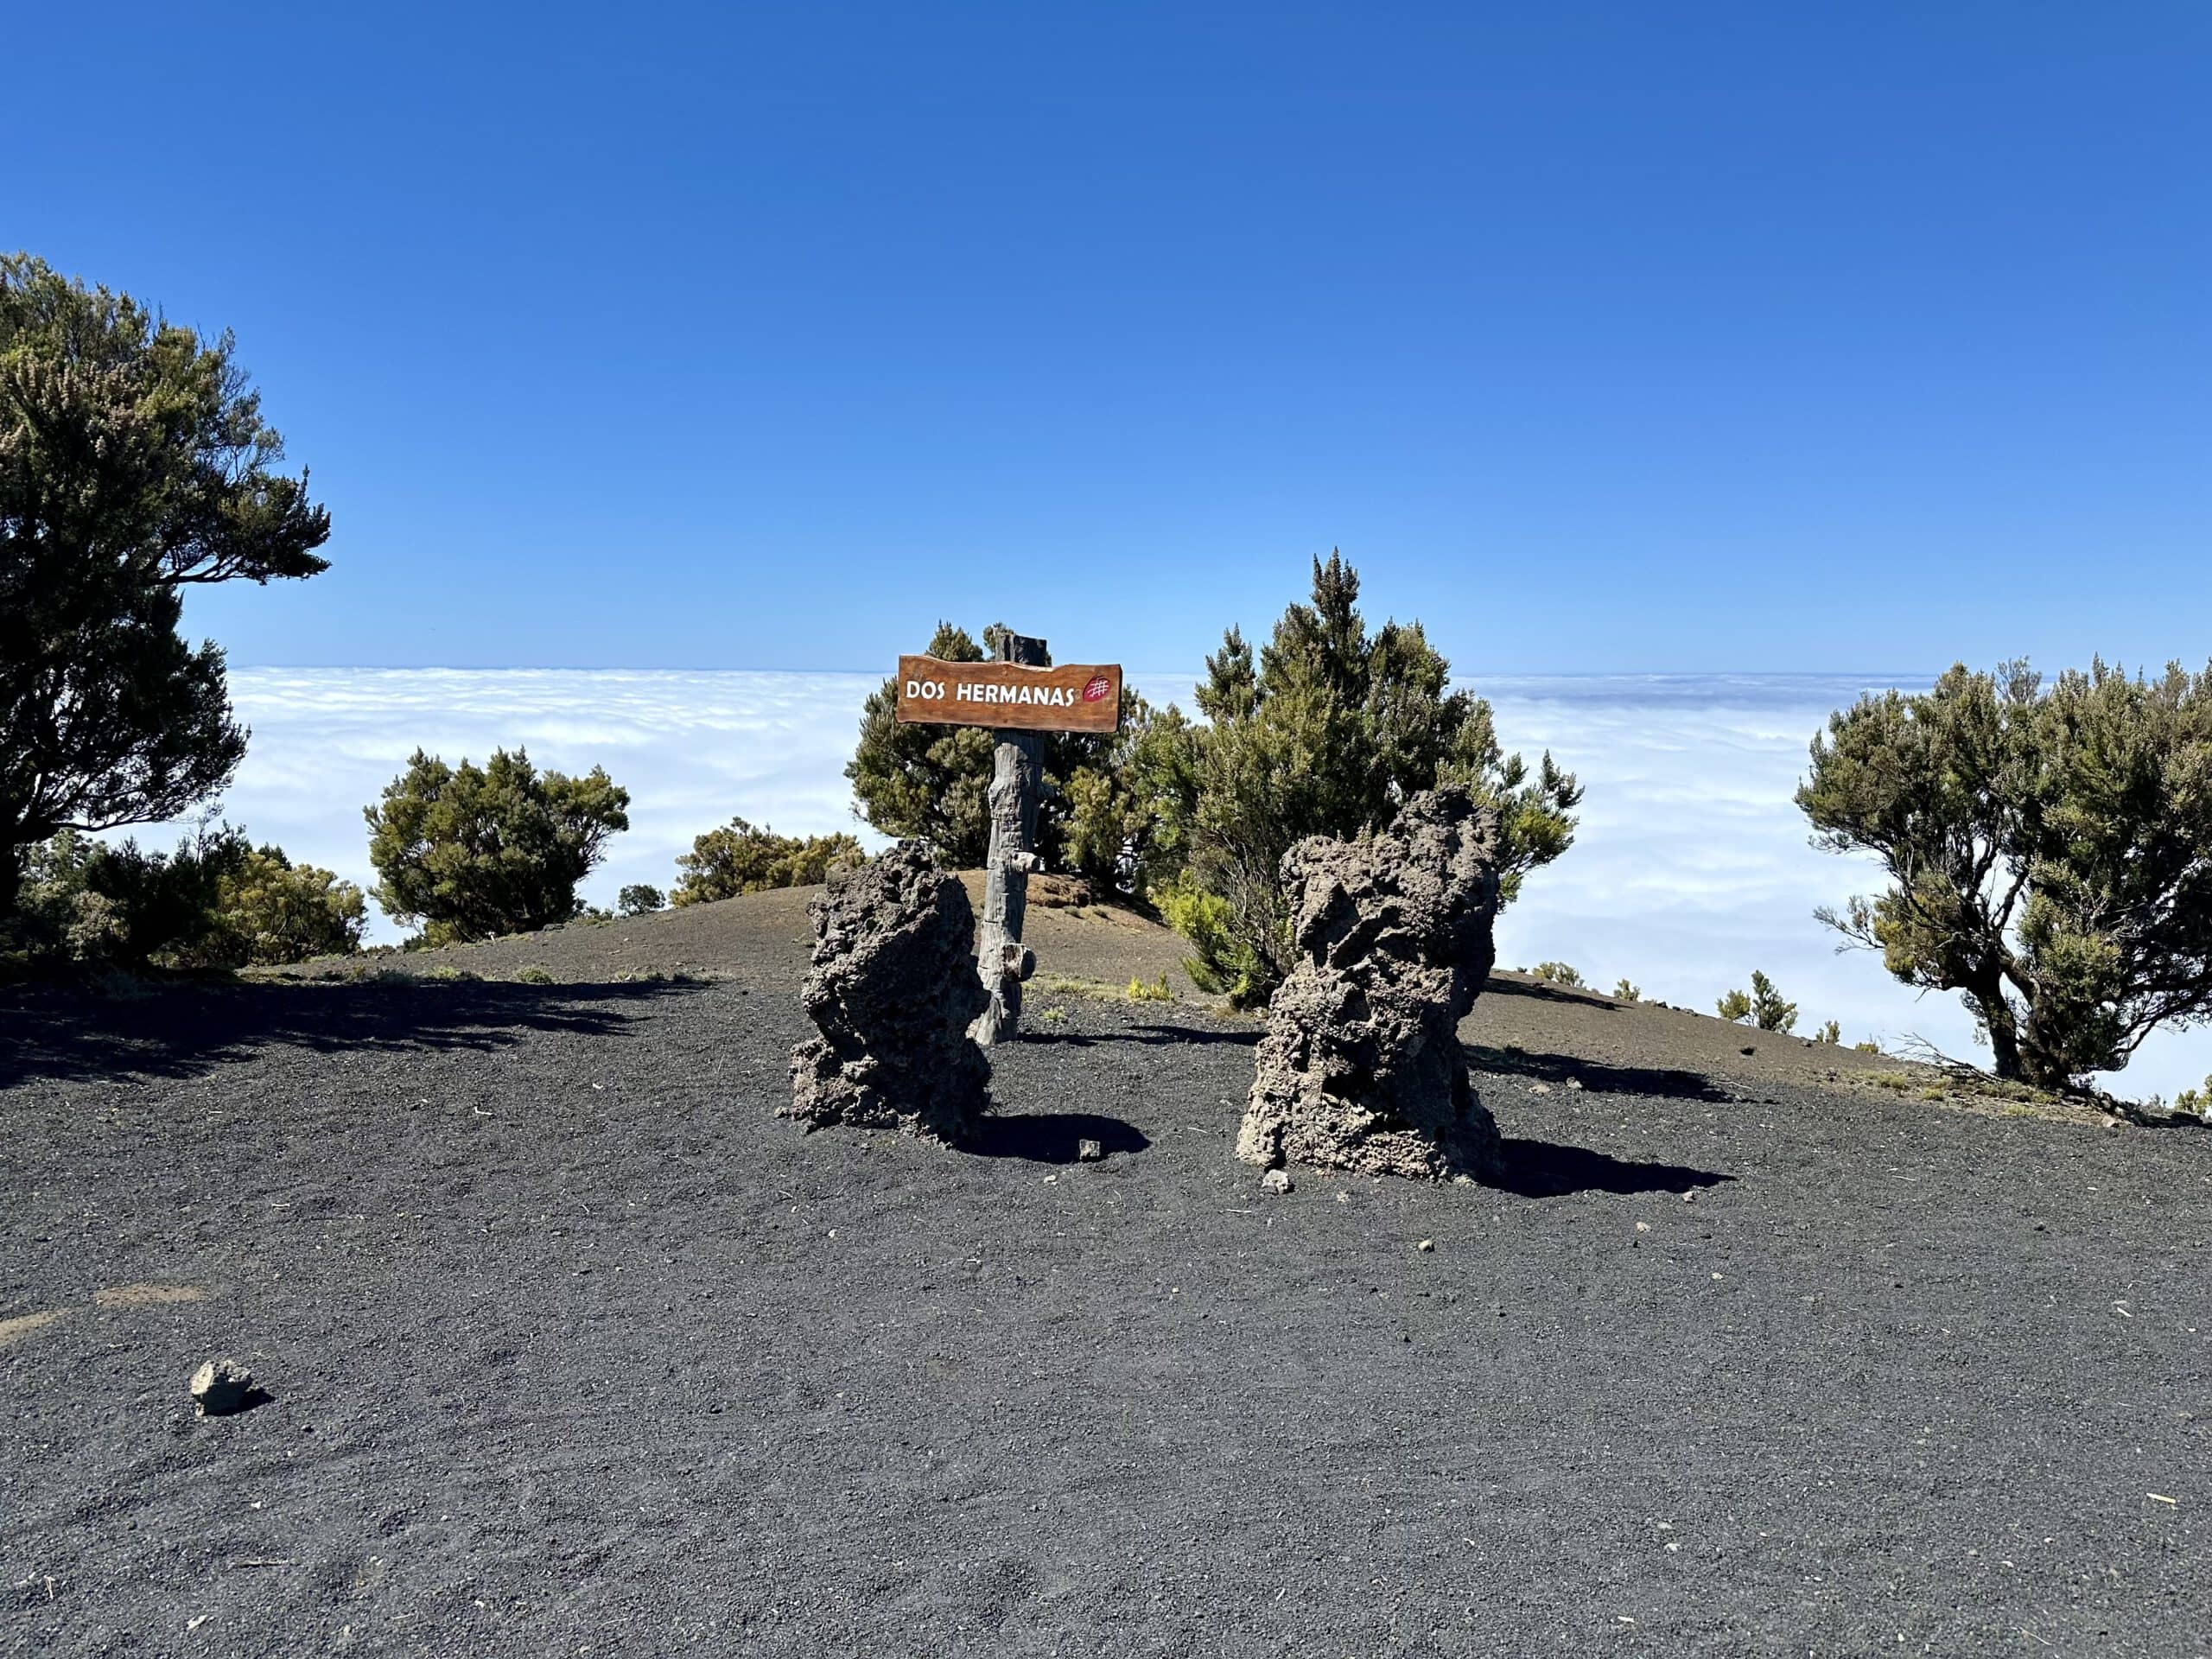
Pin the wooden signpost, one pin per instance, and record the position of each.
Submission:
(1019, 697)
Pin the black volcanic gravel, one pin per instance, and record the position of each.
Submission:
(572, 1348)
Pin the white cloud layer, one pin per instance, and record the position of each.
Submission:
(1692, 866)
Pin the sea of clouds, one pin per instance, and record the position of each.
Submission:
(1692, 865)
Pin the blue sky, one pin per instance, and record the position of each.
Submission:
(1636, 338)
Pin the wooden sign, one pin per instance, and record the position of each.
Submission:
(1074, 697)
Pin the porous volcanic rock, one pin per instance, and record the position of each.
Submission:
(1361, 1067)
(893, 992)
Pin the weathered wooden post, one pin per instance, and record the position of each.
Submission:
(1017, 787)
(1018, 697)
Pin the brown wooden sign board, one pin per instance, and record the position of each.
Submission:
(1073, 697)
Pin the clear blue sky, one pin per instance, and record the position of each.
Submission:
(1636, 338)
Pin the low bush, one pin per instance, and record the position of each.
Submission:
(1763, 1006)
(741, 857)
(1625, 991)
(640, 898)
(215, 902)
(1558, 973)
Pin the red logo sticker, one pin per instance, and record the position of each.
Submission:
(1099, 687)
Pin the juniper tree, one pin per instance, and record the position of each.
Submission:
(134, 463)
(474, 852)
(2048, 852)
(1325, 733)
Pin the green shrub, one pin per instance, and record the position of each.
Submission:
(640, 898)
(1558, 973)
(533, 976)
(739, 858)
(2198, 1101)
(1325, 733)
(215, 902)
(1224, 961)
(2049, 851)
(1625, 991)
(1158, 991)
(1831, 1033)
(1763, 1006)
(475, 853)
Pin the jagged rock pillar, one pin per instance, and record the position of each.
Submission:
(892, 994)
(1361, 1067)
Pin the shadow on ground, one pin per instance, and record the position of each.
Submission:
(1585, 998)
(1151, 1036)
(1544, 1169)
(1053, 1137)
(185, 1031)
(1595, 1075)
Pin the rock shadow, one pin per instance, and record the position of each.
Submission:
(1544, 1169)
(1151, 1036)
(1050, 1137)
(187, 1030)
(1583, 997)
(1596, 1076)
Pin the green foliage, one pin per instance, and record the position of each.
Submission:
(1326, 733)
(215, 902)
(640, 898)
(2198, 1101)
(272, 911)
(1763, 1006)
(1867, 1048)
(1157, 991)
(1831, 1033)
(1559, 973)
(1625, 991)
(133, 462)
(533, 976)
(474, 852)
(2049, 851)
(741, 858)
(931, 782)
(1223, 963)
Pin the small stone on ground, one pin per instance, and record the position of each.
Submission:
(220, 1387)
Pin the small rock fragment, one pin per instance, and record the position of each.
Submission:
(1089, 1152)
(1540, 1087)
(1276, 1180)
(1426, 1245)
(219, 1387)
(1574, 1083)
(1643, 1226)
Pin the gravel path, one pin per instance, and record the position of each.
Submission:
(574, 1347)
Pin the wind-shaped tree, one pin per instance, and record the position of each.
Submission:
(134, 462)
(2049, 851)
